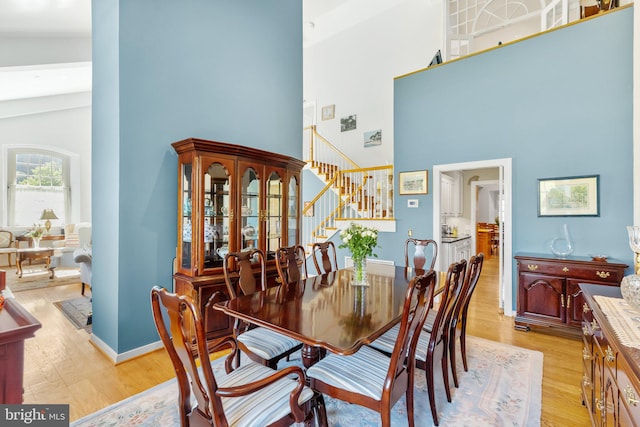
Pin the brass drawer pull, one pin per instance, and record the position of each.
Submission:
(599, 404)
(586, 331)
(586, 381)
(586, 354)
(603, 274)
(609, 355)
(532, 267)
(585, 308)
(630, 396)
(565, 269)
(595, 326)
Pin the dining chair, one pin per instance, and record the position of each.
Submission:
(414, 253)
(260, 344)
(459, 316)
(248, 395)
(370, 378)
(291, 263)
(433, 345)
(324, 256)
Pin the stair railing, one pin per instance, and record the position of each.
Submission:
(351, 193)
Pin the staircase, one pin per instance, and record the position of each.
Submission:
(350, 193)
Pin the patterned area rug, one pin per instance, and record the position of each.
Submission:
(36, 276)
(77, 310)
(502, 388)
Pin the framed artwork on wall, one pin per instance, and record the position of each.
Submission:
(328, 112)
(348, 123)
(414, 182)
(569, 196)
(373, 137)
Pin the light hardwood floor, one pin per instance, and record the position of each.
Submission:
(62, 366)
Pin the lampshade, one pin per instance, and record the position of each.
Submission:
(48, 215)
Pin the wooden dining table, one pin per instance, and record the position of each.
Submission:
(328, 312)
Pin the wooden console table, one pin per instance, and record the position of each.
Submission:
(16, 325)
(548, 291)
(33, 254)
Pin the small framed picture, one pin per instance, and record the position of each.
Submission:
(328, 112)
(348, 123)
(414, 182)
(412, 203)
(372, 138)
(570, 196)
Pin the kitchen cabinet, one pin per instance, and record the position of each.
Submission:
(230, 198)
(549, 294)
(454, 249)
(451, 202)
(610, 383)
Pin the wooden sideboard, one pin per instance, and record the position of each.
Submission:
(16, 325)
(611, 380)
(549, 295)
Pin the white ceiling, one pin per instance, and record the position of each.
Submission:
(72, 18)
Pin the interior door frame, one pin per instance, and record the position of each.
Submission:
(506, 255)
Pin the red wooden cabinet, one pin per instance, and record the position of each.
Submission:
(231, 198)
(549, 294)
(16, 325)
(611, 379)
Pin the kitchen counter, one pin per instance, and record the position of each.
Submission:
(451, 239)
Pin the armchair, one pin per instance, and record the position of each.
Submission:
(7, 244)
(76, 236)
(82, 256)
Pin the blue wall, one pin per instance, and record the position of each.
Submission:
(164, 71)
(558, 104)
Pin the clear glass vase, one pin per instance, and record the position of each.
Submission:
(359, 272)
(562, 247)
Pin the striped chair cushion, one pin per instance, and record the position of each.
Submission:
(363, 372)
(388, 340)
(266, 343)
(262, 407)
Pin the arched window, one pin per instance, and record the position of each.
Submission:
(37, 180)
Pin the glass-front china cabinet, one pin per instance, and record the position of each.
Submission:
(230, 198)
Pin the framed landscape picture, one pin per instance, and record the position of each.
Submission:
(414, 182)
(569, 196)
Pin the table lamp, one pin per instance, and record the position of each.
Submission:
(48, 215)
(630, 285)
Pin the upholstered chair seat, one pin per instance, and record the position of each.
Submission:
(262, 407)
(266, 344)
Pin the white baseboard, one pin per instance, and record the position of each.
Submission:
(127, 355)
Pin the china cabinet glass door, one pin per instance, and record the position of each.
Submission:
(273, 214)
(217, 214)
(292, 211)
(250, 209)
(187, 226)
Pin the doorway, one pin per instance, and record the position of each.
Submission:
(504, 184)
